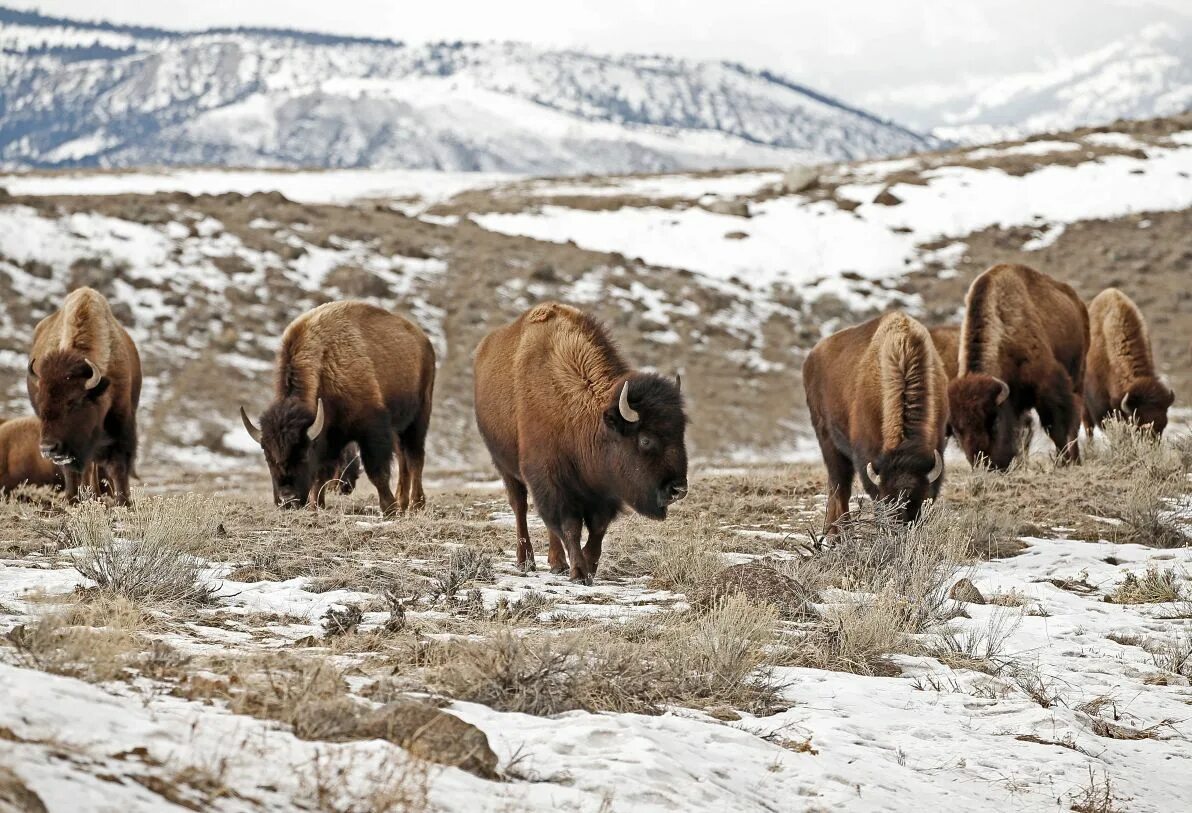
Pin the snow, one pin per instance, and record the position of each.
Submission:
(800, 242)
(1028, 148)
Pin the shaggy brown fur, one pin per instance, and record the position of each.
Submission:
(21, 461)
(81, 425)
(947, 342)
(374, 372)
(877, 395)
(548, 389)
(1120, 365)
(1031, 332)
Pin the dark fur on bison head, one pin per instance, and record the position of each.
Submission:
(289, 435)
(1146, 404)
(983, 419)
(643, 446)
(70, 396)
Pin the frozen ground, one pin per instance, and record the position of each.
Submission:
(1064, 691)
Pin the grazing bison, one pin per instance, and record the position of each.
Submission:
(565, 417)
(878, 399)
(348, 372)
(1022, 347)
(21, 461)
(347, 469)
(85, 383)
(1120, 371)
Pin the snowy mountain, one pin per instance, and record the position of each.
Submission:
(1143, 74)
(87, 94)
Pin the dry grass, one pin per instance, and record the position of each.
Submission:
(979, 647)
(1097, 796)
(140, 554)
(1153, 586)
(94, 640)
(713, 658)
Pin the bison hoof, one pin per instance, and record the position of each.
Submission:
(584, 580)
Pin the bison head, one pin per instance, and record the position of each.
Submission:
(288, 435)
(646, 456)
(907, 476)
(1146, 404)
(983, 420)
(71, 397)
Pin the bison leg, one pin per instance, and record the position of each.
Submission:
(556, 557)
(597, 526)
(403, 480)
(516, 491)
(377, 454)
(413, 446)
(116, 472)
(1059, 410)
(571, 531)
(840, 486)
(73, 480)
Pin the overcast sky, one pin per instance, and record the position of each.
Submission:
(851, 48)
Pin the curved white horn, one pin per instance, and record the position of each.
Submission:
(678, 382)
(627, 412)
(253, 431)
(1004, 394)
(1125, 404)
(316, 428)
(938, 469)
(32, 372)
(872, 473)
(92, 382)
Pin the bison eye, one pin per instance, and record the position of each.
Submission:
(646, 442)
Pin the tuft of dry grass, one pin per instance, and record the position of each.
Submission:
(978, 647)
(140, 554)
(95, 640)
(1097, 796)
(1153, 586)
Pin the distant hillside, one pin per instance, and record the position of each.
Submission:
(94, 94)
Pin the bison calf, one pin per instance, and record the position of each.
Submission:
(84, 383)
(1022, 346)
(1120, 373)
(877, 394)
(21, 461)
(348, 372)
(566, 418)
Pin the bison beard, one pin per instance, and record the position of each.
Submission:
(876, 393)
(84, 381)
(567, 421)
(1022, 347)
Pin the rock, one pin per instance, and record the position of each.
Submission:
(760, 584)
(736, 235)
(799, 178)
(419, 727)
(887, 198)
(433, 735)
(15, 795)
(736, 208)
(965, 591)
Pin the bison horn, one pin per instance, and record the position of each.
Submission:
(1126, 404)
(1004, 394)
(253, 431)
(937, 469)
(32, 374)
(316, 428)
(627, 412)
(92, 382)
(678, 382)
(872, 473)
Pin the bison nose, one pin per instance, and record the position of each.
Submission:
(672, 493)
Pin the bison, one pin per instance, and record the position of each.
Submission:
(946, 339)
(348, 372)
(21, 461)
(1022, 347)
(1120, 371)
(84, 382)
(877, 394)
(566, 419)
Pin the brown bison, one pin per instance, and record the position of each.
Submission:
(1120, 371)
(878, 399)
(565, 417)
(1022, 347)
(348, 372)
(21, 461)
(84, 383)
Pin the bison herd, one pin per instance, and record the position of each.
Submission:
(570, 423)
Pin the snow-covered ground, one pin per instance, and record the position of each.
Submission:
(799, 241)
(958, 738)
